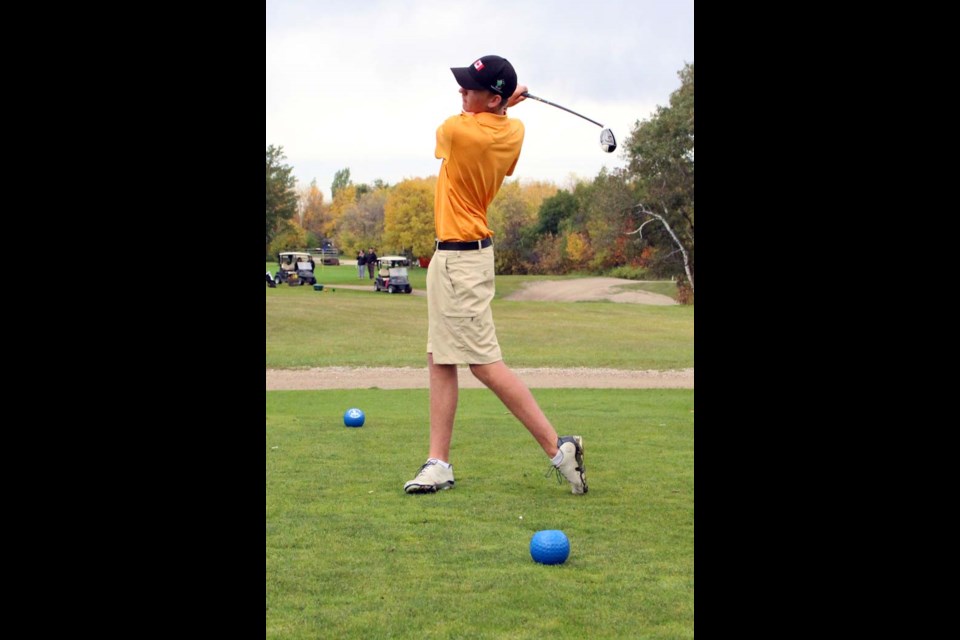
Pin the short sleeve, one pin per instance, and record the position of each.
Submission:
(444, 139)
(521, 131)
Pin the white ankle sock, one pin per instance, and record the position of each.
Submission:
(557, 459)
(445, 465)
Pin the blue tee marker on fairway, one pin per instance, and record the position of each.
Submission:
(353, 417)
(550, 547)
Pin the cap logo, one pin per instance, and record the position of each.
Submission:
(478, 65)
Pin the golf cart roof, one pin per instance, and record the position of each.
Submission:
(393, 258)
(295, 253)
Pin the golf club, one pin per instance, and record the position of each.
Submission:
(607, 142)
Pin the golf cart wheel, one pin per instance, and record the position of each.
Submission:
(392, 289)
(409, 289)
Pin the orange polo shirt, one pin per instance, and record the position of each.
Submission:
(478, 150)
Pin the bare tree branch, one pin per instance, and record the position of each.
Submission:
(639, 229)
(671, 253)
(686, 257)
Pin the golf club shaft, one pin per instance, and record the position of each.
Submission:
(528, 95)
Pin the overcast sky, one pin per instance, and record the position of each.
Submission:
(365, 83)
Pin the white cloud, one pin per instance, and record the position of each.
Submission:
(365, 84)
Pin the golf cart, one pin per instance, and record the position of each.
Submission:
(296, 268)
(327, 254)
(392, 275)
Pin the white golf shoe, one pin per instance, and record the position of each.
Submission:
(571, 467)
(431, 478)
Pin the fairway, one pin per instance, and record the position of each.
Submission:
(345, 327)
(349, 555)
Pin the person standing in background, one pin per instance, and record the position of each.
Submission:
(371, 260)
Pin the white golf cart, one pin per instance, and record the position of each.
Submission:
(392, 275)
(296, 268)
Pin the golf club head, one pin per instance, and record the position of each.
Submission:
(607, 142)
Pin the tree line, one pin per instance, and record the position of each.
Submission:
(635, 222)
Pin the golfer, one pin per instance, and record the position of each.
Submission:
(478, 148)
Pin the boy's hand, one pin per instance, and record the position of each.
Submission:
(517, 96)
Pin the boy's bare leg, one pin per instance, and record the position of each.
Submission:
(444, 392)
(515, 395)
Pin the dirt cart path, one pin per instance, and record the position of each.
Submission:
(358, 287)
(414, 378)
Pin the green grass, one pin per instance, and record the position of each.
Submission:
(306, 328)
(663, 287)
(347, 274)
(506, 285)
(349, 555)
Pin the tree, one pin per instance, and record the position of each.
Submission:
(362, 222)
(363, 189)
(607, 205)
(536, 191)
(408, 216)
(343, 200)
(687, 262)
(281, 193)
(579, 250)
(661, 158)
(548, 255)
(290, 236)
(509, 216)
(314, 212)
(341, 179)
(554, 211)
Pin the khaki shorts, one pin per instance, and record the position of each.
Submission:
(459, 290)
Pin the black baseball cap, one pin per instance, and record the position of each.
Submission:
(489, 72)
